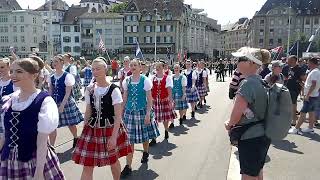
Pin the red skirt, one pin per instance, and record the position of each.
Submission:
(91, 148)
(163, 110)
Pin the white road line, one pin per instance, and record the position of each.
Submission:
(234, 167)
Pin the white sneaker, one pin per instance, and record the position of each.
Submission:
(307, 130)
(293, 130)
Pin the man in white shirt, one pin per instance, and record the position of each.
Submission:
(311, 93)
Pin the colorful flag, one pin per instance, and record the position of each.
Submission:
(138, 51)
(101, 44)
(277, 49)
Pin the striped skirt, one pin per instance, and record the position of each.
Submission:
(163, 110)
(179, 103)
(192, 96)
(91, 148)
(202, 90)
(138, 131)
(71, 114)
(12, 169)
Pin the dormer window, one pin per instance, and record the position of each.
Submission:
(168, 17)
(148, 17)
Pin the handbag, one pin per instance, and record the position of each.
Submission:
(237, 131)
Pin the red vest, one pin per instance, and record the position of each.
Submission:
(160, 88)
(124, 75)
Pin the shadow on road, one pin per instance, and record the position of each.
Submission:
(179, 130)
(65, 157)
(312, 136)
(286, 145)
(143, 173)
(204, 110)
(162, 149)
(191, 122)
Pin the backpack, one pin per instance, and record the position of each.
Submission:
(278, 113)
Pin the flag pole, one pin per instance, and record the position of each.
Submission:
(288, 45)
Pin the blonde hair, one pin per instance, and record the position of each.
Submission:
(262, 54)
(6, 61)
(101, 61)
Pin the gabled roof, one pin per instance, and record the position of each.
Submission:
(73, 13)
(101, 15)
(313, 6)
(95, 1)
(56, 5)
(9, 5)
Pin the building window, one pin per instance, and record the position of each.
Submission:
(118, 31)
(271, 22)
(67, 49)
(3, 18)
(108, 31)
(66, 28)
(109, 41)
(76, 49)
(128, 29)
(271, 31)
(280, 22)
(148, 40)
(76, 39)
(22, 39)
(168, 17)
(316, 21)
(35, 30)
(98, 21)
(135, 39)
(118, 42)
(34, 20)
(108, 21)
(35, 39)
(130, 40)
(158, 28)
(14, 29)
(262, 22)
(66, 39)
(158, 39)
(261, 32)
(23, 48)
(148, 17)
(134, 18)
(118, 21)
(128, 18)
(270, 42)
(15, 39)
(307, 21)
(21, 19)
(14, 19)
(260, 41)
(134, 28)
(169, 28)
(4, 39)
(76, 28)
(148, 28)
(279, 41)
(22, 28)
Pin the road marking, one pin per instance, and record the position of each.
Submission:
(234, 166)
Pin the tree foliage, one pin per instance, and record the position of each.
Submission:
(118, 8)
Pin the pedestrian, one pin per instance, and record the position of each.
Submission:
(296, 76)
(138, 116)
(275, 76)
(72, 69)
(125, 71)
(6, 84)
(179, 93)
(311, 93)
(104, 138)
(145, 69)
(114, 67)
(235, 83)
(60, 86)
(221, 68)
(201, 83)
(248, 110)
(162, 85)
(30, 116)
(230, 68)
(191, 90)
(87, 71)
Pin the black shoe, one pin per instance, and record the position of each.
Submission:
(166, 134)
(180, 121)
(126, 172)
(171, 125)
(317, 124)
(201, 106)
(75, 140)
(205, 101)
(184, 117)
(192, 114)
(153, 142)
(195, 108)
(145, 157)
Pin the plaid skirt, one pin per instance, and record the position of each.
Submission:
(71, 114)
(91, 148)
(202, 90)
(13, 169)
(180, 104)
(192, 96)
(76, 91)
(86, 82)
(138, 131)
(163, 110)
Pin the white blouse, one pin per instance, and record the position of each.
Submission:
(98, 91)
(69, 81)
(48, 115)
(147, 83)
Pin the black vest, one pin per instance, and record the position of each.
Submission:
(103, 116)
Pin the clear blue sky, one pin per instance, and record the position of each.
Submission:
(222, 10)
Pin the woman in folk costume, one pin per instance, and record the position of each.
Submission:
(167, 70)
(179, 93)
(30, 116)
(125, 71)
(138, 115)
(191, 90)
(72, 69)
(104, 139)
(201, 83)
(87, 71)
(6, 83)
(60, 86)
(162, 99)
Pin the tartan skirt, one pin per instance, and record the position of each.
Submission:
(138, 131)
(12, 169)
(71, 114)
(91, 148)
(76, 91)
(179, 103)
(192, 96)
(202, 90)
(163, 110)
(86, 82)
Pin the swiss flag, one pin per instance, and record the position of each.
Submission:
(277, 49)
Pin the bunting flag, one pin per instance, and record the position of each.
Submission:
(101, 44)
(138, 51)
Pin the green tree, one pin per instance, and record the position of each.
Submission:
(118, 8)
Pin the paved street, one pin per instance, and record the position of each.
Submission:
(200, 150)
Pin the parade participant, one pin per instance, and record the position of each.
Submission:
(311, 93)
(31, 115)
(6, 83)
(72, 69)
(203, 66)
(179, 93)
(138, 116)
(145, 70)
(60, 86)
(104, 138)
(87, 75)
(275, 76)
(166, 69)
(125, 71)
(201, 83)
(162, 98)
(191, 90)
(248, 110)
